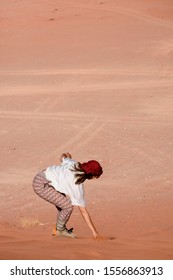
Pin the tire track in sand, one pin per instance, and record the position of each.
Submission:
(88, 129)
(123, 11)
(21, 116)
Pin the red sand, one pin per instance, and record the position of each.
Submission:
(93, 78)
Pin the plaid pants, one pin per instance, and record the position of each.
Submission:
(62, 203)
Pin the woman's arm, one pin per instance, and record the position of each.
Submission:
(89, 222)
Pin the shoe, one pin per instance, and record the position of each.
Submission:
(65, 232)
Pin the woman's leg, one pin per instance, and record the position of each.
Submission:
(47, 192)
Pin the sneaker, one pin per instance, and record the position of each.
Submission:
(66, 233)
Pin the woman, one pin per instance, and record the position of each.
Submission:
(62, 185)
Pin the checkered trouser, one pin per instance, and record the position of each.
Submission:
(62, 203)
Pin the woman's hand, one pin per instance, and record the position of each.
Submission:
(65, 155)
(98, 237)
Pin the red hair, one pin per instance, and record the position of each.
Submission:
(92, 168)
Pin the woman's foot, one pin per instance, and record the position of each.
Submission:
(65, 232)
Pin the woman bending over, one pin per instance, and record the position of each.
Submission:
(62, 185)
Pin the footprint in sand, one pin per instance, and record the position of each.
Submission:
(55, 10)
(112, 238)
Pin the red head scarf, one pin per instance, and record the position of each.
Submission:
(92, 168)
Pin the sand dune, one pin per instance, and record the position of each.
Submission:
(94, 78)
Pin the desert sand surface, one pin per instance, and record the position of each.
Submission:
(94, 78)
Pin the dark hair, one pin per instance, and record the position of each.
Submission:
(80, 174)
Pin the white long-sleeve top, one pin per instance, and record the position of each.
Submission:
(63, 180)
